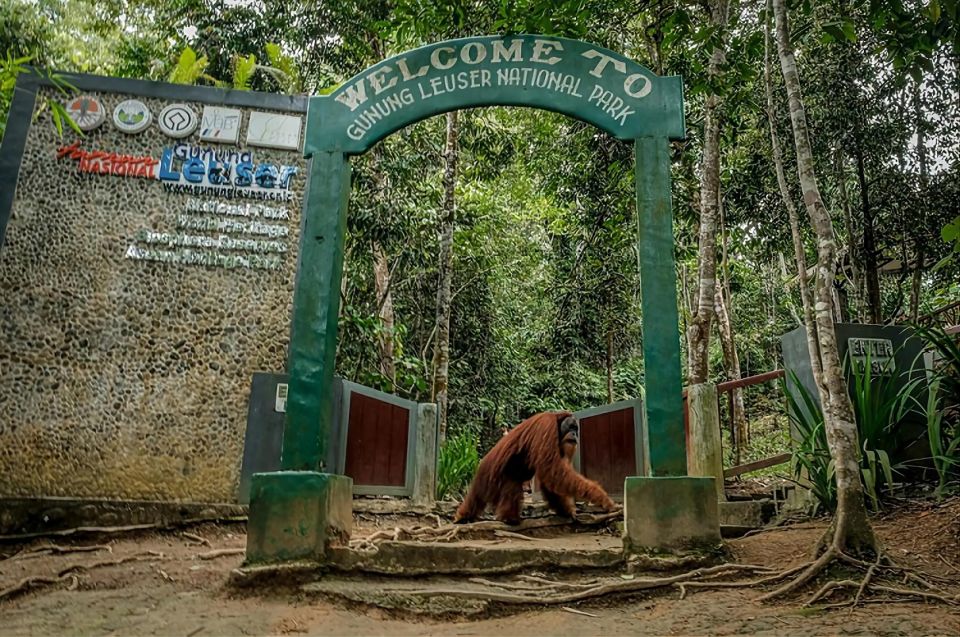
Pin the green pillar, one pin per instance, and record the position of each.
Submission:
(662, 385)
(316, 305)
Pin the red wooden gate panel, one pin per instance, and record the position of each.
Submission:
(377, 437)
(608, 448)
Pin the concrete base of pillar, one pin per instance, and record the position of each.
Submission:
(297, 514)
(669, 513)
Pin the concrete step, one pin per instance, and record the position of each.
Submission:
(746, 514)
(567, 552)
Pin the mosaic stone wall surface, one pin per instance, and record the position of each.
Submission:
(126, 378)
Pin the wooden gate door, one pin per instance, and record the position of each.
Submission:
(378, 441)
(611, 444)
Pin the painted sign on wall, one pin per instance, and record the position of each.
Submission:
(879, 351)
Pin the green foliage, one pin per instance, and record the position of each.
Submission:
(243, 70)
(11, 68)
(190, 68)
(942, 407)
(457, 465)
(811, 458)
(951, 235)
(878, 405)
(944, 438)
(283, 68)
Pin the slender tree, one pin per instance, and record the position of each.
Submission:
(799, 251)
(698, 328)
(441, 346)
(850, 531)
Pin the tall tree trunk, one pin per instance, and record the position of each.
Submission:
(870, 254)
(387, 342)
(441, 346)
(919, 252)
(724, 311)
(856, 277)
(851, 528)
(799, 251)
(731, 363)
(698, 330)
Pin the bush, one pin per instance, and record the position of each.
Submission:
(457, 465)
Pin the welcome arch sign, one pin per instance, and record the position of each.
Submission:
(575, 78)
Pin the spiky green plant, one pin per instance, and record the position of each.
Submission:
(941, 409)
(811, 462)
(457, 465)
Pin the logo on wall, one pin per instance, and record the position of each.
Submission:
(86, 111)
(273, 130)
(131, 116)
(177, 121)
(220, 125)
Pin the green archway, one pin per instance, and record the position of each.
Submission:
(575, 78)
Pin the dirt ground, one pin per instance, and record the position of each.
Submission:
(174, 592)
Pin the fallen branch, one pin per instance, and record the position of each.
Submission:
(35, 581)
(210, 555)
(577, 612)
(509, 586)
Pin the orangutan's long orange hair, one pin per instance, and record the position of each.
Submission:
(531, 448)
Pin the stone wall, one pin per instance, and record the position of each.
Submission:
(122, 377)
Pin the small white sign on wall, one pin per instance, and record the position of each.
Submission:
(273, 130)
(280, 403)
(220, 124)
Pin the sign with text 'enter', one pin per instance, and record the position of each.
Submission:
(576, 78)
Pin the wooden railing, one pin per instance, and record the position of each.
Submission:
(947, 317)
(728, 388)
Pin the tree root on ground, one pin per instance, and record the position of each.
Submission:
(560, 592)
(59, 550)
(106, 530)
(35, 581)
(209, 555)
(453, 532)
(529, 589)
(882, 567)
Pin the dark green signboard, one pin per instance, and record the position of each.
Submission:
(578, 79)
(575, 78)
